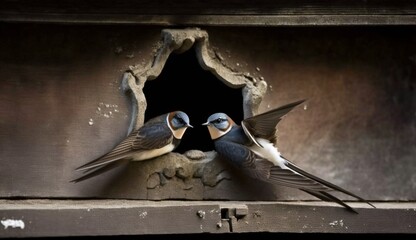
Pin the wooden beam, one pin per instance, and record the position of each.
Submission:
(214, 13)
(212, 7)
(40, 218)
(214, 20)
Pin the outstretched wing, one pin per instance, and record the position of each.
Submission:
(150, 136)
(264, 125)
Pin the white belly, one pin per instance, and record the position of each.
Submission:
(144, 155)
(269, 152)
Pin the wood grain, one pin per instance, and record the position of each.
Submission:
(53, 218)
(213, 13)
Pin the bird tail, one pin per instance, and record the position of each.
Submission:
(331, 186)
(92, 172)
(103, 161)
(325, 196)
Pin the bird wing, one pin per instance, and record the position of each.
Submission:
(264, 125)
(259, 168)
(243, 158)
(151, 136)
(262, 169)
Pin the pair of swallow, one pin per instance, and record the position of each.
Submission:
(250, 147)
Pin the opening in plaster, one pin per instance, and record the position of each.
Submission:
(184, 85)
(185, 74)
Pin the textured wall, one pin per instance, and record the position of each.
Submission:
(357, 129)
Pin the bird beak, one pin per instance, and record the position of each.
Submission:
(189, 125)
(205, 124)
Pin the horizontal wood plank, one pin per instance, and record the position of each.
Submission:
(215, 20)
(215, 13)
(233, 7)
(38, 218)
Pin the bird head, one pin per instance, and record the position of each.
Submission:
(218, 125)
(178, 122)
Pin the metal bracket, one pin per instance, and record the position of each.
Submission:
(231, 214)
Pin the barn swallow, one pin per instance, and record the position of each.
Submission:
(251, 147)
(158, 136)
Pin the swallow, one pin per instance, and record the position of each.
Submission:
(251, 147)
(158, 136)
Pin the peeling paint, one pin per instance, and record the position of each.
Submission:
(212, 211)
(13, 223)
(106, 110)
(201, 214)
(337, 223)
(143, 214)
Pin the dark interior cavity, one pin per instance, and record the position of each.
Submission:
(184, 85)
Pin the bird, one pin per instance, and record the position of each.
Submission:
(251, 148)
(157, 136)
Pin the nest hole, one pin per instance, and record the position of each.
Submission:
(184, 85)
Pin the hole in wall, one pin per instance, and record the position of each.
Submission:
(224, 213)
(184, 85)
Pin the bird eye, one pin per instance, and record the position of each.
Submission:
(181, 121)
(219, 120)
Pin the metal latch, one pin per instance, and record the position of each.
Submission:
(233, 213)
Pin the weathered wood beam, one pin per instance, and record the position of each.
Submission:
(39, 218)
(215, 12)
(213, 20)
